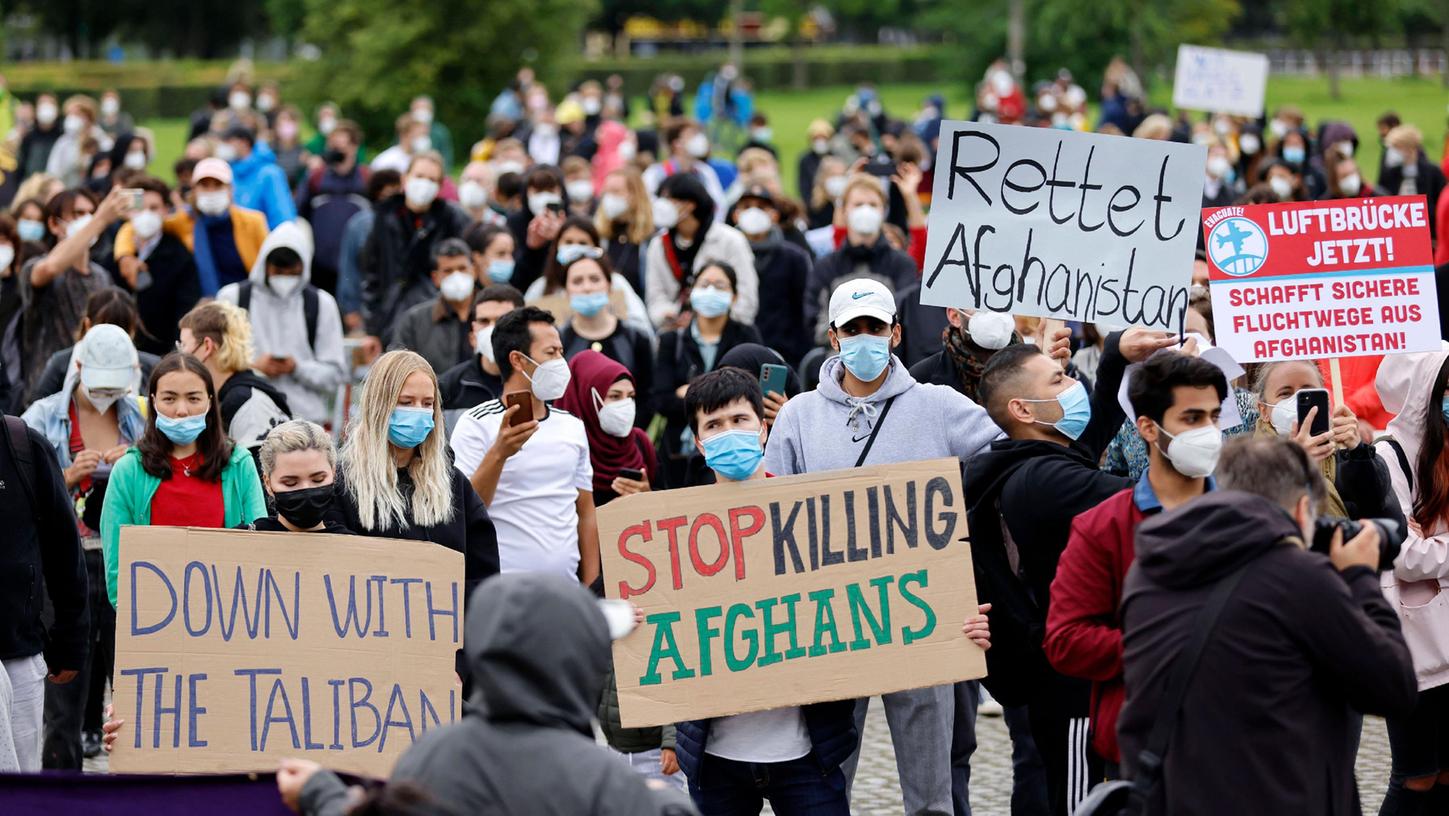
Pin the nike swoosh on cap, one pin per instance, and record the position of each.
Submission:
(859, 295)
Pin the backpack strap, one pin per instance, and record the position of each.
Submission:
(1403, 461)
(17, 437)
(310, 306)
(244, 295)
(874, 432)
(1150, 761)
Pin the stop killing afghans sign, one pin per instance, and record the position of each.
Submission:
(1342, 278)
(235, 649)
(779, 592)
(1054, 223)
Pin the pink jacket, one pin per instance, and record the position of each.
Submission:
(1418, 585)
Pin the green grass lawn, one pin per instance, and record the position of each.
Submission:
(1419, 101)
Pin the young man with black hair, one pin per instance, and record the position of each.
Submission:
(476, 380)
(440, 329)
(1178, 400)
(1021, 497)
(791, 756)
(536, 476)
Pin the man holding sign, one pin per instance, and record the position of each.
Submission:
(1079, 226)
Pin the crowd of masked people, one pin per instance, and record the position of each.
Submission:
(590, 310)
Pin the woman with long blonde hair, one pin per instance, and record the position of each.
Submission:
(625, 221)
(394, 476)
(219, 335)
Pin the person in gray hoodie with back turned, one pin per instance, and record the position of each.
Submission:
(538, 648)
(868, 410)
(296, 327)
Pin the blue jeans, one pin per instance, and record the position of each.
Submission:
(794, 788)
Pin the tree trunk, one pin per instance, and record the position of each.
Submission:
(737, 35)
(1016, 39)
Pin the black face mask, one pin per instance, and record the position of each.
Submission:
(305, 507)
(334, 156)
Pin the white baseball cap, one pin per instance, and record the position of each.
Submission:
(862, 297)
(211, 168)
(107, 357)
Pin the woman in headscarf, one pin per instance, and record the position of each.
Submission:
(603, 395)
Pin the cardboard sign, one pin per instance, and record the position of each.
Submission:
(1220, 81)
(235, 649)
(781, 592)
(557, 304)
(1317, 279)
(1077, 226)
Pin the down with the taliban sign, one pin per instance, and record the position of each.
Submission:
(778, 592)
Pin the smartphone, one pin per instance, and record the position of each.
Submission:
(633, 474)
(884, 169)
(1308, 399)
(555, 208)
(135, 198)
(772, 378)
(524, 401)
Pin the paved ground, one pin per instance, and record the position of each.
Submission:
(877, 791)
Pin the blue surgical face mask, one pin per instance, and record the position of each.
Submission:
(1446, 411)
(865, 355)
(30, 230)
(590, 304)
(1293, 154)
(501, 271)
(707, 301)
(1076, 411)
(408, 427)
(569, 253)
(735, 455)
(181, 431)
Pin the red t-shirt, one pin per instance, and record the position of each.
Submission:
(185, 500)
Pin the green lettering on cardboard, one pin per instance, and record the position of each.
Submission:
(663, 623)
(825, 624)
(907, 635)
(773, 630)
(707, 633)
(880, 626)
(749, 636)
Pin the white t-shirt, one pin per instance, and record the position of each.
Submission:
(777, 735)
(534, 509)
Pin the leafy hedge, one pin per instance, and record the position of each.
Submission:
(173, 89)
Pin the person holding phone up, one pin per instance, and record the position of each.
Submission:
(1357, 481)
(602, 394)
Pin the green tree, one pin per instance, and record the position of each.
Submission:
(376, 56)
(1328, 26)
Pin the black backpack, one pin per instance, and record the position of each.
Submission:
(17, 438)
(310, 304)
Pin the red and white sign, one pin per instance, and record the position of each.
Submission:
(1322, 279)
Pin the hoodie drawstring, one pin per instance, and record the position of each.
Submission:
(860, 406)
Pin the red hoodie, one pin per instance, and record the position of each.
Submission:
(1084, 626)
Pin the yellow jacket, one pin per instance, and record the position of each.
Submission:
(248, 227)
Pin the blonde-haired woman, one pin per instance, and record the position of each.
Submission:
(625, 221)
(396, 480)
(220, 336)
(299, 473)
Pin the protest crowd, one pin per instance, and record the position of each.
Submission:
(481, 346)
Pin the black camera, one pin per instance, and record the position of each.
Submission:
(1391, 536)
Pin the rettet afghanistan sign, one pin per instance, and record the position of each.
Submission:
(789, 591)
(1077, 226)
(1342, 278)
(235, 649)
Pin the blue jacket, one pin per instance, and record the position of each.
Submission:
(51, 417)
(259, 184)
(832, 736)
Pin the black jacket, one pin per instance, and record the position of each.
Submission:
(921, 327)
(469, 531)
(678, 362)
(52, 379)
(397, 260)
(175, 288)
(1033, 489)
(40, 558)
(1430, 182)
(529, 262)
(269, 524)
(878, 261)
(1268, 723)
(539, 651)
(466, 385)
(784, 271)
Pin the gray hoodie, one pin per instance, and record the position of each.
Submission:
(279, 327)
(826, 429)
(538, 649)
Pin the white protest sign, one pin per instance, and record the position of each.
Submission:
(1054, 223)
(1220, 81)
